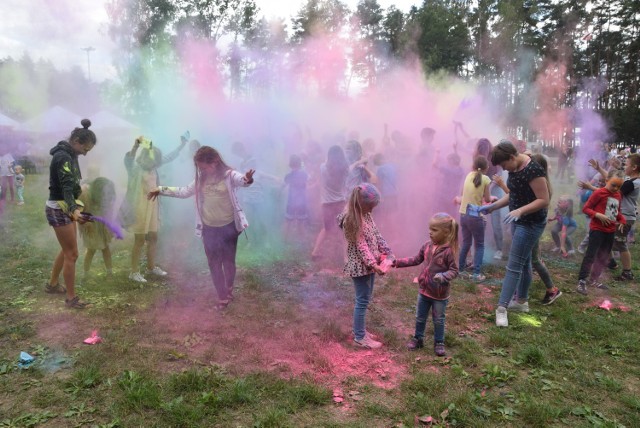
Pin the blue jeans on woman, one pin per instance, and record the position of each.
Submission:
(518, 275)
(438, 308)
(364, 291)
(472, 229)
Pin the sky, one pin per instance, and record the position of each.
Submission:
(62, 30)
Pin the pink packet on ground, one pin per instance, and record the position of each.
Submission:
(93, 339)
(606, 305)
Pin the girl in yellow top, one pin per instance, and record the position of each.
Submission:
(475, 190)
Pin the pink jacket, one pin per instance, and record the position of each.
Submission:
(442, 261)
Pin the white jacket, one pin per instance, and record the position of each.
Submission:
(233, 180)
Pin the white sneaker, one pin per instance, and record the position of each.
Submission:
(518, 307)
(137, 277)
(368, 342)
(157, 271)
(556, 249)
(497, 255)
(501, 317)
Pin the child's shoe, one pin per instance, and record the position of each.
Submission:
(551, 296)
(582, 287)
(497, 255)
(478, 277)
(438, 348)
(502, 320)
(157, 271)
(599, 285)
(367, 342)
(55, 289)
(137, 277)
(75, 303)
(415, 344)
(518, 307)
(626, 275)
(612, 264)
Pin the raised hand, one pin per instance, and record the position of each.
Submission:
(248, 176)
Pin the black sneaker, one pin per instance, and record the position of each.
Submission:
(599, 285)
(626, 275)
(415, 344)
(582, 287)
(438, 348)
(551, 296)
(612, 264)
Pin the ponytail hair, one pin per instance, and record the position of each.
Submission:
(447, 221)
(363, 195)
(84, 135)
(479, 164)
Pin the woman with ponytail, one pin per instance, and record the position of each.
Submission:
(63, 209)
(475, 190)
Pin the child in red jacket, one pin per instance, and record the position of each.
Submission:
(439, 269)
(603, 207)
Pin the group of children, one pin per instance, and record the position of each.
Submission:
(611, 210)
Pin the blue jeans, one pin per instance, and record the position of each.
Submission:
(496, 218)
(518, 275)
(364, 291)
(556, 230)
(438, 308)
(472, 229)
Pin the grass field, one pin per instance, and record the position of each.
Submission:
(281, 355)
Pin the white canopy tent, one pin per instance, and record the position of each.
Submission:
(6, 121)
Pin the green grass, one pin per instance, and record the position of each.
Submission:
(273, 358)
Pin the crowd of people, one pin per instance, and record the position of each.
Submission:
(507, 189)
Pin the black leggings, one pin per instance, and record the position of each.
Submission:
(220, 244)
(597, 254)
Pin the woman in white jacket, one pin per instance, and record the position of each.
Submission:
(219, 217)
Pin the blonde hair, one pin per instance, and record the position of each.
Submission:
(352, 223)
(446, 220)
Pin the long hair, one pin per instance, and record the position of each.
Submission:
(542, 161)
(207, 154)
(569, 211)
(102, 196)
(365, 195)
(447, 221)
(336, 161)
(479, 164)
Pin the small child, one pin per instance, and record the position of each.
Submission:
(19, 180)
(603, 207)
(99, 198)
(367, 254)
(440, 268)
(565, 226)
(297, 207)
